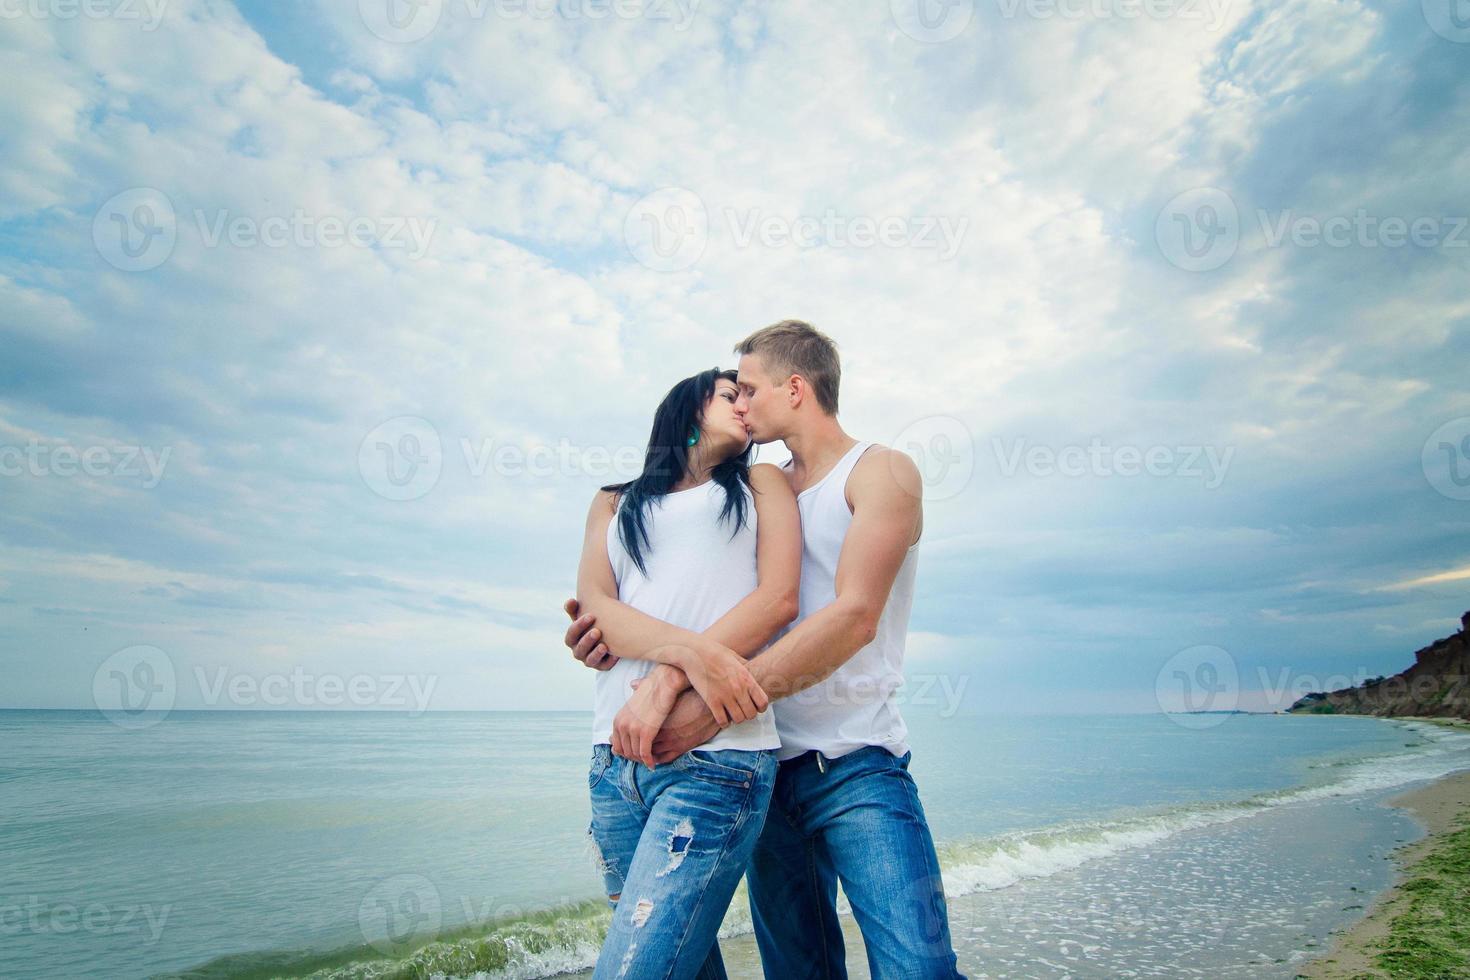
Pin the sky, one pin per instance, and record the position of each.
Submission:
(322, 322)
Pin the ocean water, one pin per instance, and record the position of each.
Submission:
(387, 845)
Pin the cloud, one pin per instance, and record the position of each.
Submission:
(490, 170)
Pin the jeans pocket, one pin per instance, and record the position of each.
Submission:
(600, 764)
(730, 771)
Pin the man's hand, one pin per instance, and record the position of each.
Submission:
(690, 724)
(643, 714)
(585, 640)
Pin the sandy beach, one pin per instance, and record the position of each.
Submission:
(1442, 806)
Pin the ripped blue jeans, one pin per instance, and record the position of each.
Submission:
(673, 843)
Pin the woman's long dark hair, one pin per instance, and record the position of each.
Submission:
(678, 415)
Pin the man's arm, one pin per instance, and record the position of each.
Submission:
(885, 491)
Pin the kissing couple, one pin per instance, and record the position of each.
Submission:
(747, 624)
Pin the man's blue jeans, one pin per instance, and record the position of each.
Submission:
(856, 819)
(674, 842)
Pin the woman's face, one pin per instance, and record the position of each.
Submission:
(723, 431)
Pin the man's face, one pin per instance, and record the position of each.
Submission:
(759, 403)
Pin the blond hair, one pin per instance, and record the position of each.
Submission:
(796, 347)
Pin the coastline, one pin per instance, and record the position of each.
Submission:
(1442, 807)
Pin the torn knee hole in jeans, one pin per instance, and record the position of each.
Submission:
(600, 862)
(679, 842)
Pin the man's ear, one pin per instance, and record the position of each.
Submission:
(796, 390)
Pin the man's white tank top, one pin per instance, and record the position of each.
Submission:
(697, 572)
(855, 706)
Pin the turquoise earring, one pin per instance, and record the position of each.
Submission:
(693, 435)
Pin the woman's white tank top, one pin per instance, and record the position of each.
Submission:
(697, 572)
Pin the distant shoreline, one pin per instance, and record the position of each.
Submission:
(1443, 807)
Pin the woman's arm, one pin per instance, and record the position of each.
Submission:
(629, 632)
(757, 618)
(718, 673)
(750, 626)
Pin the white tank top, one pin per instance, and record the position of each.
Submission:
(696, 573)
(855, 706)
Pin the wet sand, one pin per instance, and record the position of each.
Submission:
(1436, 806)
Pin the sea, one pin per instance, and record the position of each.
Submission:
(381, 845)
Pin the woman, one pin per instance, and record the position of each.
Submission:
(690, 568)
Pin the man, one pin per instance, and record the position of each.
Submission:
(845, 807)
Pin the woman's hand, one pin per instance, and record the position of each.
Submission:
(643, 714)
(723, 680)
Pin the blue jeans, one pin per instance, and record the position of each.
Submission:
(673, 843)
(856, 819)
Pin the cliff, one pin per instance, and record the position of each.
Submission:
(1435, 687)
